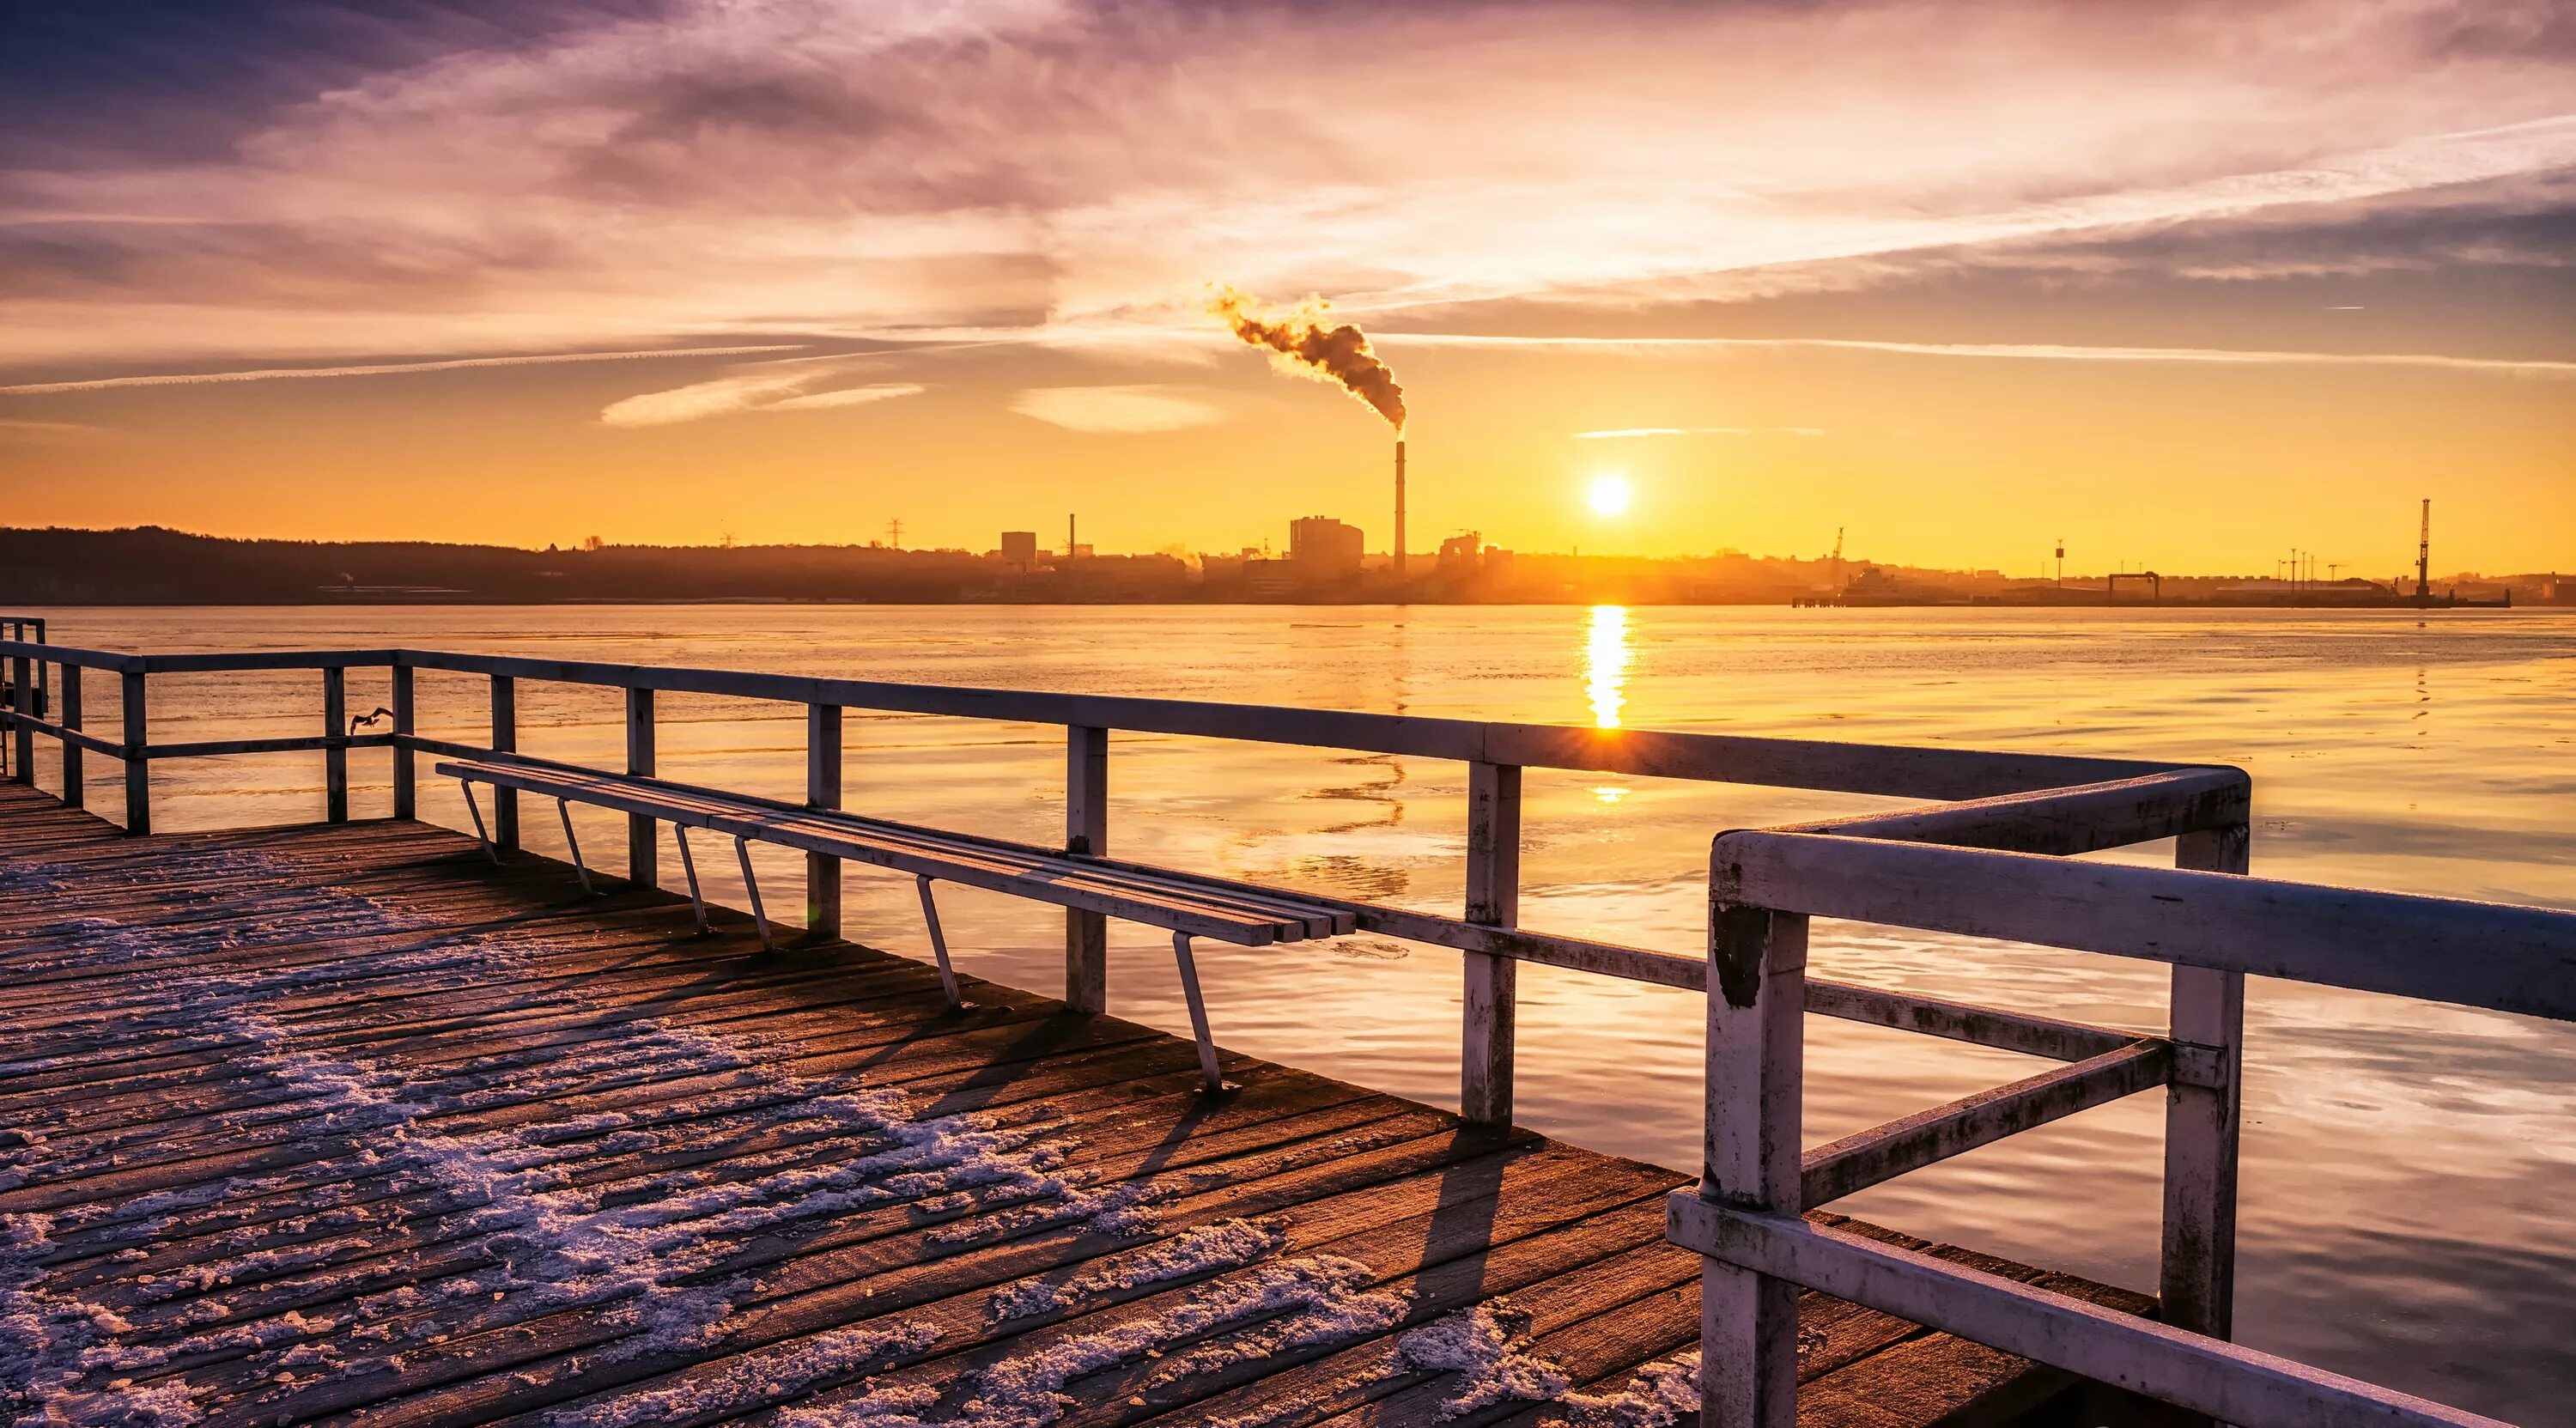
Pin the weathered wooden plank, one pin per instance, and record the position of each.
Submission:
(1865, 1158)
(328, 744)
(2065, 820)
(2487, 955)
(2225, 1381)
(72, 655)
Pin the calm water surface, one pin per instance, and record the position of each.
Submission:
(2409, 1170)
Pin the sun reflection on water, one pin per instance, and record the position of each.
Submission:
(1605, 664)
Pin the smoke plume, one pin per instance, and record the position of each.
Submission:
(1302, 341)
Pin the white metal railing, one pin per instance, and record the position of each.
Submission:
(1989, 860)
(2212, 928)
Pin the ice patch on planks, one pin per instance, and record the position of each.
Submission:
(241, 1293)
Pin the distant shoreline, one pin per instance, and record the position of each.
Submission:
(1823, 611)
(153, 566)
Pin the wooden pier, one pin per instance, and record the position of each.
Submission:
(342, 1123)
(369, 1122)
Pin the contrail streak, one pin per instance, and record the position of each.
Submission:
(2015, 351)
(381, 369)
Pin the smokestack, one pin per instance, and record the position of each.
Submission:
(1399, 510)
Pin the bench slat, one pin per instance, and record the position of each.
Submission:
(1321, 920)
(1164, 898)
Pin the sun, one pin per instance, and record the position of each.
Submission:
(1609, 494)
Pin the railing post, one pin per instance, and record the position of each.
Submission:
(335, 760)
(22, 736)
(406, 778)
(1756, 1067)
(643, 853)
(1086, 830)
(822, 790)
(2197, 1282)
(138, 768)
(74, 796)
(1494, 900)
(505, 740)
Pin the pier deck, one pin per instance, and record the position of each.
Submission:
(343, 1124)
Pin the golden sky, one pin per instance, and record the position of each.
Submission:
(2189, 284)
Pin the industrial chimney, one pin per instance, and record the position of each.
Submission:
(1399, 510)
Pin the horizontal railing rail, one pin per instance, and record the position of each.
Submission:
(2226, 1382)
(2474, 954)
(1881, 769)
(1890, 770)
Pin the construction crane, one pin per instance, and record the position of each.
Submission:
(2424, 554)
(1838, 557)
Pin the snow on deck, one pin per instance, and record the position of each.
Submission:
(341, 1124)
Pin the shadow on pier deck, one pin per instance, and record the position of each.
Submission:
(343, 1124)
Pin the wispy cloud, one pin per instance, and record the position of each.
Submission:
(847, 397)
(52, 430)
(1115, 409)
(2011, 351)
(1006, 164)
(768, 387)
(1622, 433)
(381, 369)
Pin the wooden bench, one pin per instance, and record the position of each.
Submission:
(1184, 904)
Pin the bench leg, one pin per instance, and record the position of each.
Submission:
(480, 836)
(938, 941)
(563, 807)
(750, 884)
(689, 865)
(1198, 1011)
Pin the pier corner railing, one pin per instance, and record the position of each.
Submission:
(1991, 854)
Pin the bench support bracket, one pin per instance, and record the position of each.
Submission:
(689, 865)
(1198, 1011)
(564, 808)
(938, 941)
(751, 884)
(481, 835)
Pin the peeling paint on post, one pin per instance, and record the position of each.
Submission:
(2197, 1280)
(1751, 1160)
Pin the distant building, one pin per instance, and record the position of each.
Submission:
(1460, 554)
(1020, 549)
(1324, 548)
(1273, 579)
